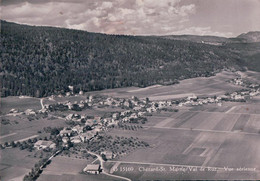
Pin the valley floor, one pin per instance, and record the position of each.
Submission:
(209, 141)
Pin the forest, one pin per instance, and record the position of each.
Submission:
(41, 61)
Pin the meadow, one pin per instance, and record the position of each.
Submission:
(205, 136)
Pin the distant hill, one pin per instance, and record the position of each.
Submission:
(40, 61)
(213, 40)
(250, 37)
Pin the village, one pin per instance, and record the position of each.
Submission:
(82, 128)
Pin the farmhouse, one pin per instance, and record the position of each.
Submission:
(115, 116)
(78, 129)
(44, 144)
(93, 168)
(109, 154)
(81, 105)
(87, 136)
(65, 140)
(75, 139)
(29, 112)
(13, 111)
(65, 132)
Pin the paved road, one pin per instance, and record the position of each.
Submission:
(102, 166)
(7, 135)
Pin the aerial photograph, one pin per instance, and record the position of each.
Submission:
(129, 90)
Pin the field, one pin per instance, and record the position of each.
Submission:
(25, 128)
(203, 136)
(21, 104)
(67, 169)
(252, 76)
(201, 86)
(15, 163)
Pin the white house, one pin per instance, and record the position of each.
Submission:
(65, 132)
(115, 116)
(29, 112)
(41, 144)
(92, 168)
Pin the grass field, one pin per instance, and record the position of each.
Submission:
(252, 76)
(67, 169)
(207, 136)
(202, 86)
(26, 128)
(15, 163)
(21, 104)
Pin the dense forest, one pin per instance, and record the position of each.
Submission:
(41, 61)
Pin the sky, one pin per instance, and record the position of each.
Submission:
(227, 18)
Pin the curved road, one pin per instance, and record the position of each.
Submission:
(103, 171)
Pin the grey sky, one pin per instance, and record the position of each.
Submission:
(139, 17)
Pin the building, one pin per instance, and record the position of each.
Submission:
(65, 132)
(75, 139)
(65, 140)
(41, 144)
(71, 88)
(109, 154)
(93, 168)
(30, 112)
(87, 136)
(115, 116)
(78, 129)
(192, 97)
(13, 111)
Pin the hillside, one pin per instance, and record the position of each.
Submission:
(40, 61)
(250, 37)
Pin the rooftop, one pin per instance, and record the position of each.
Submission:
(93, 167)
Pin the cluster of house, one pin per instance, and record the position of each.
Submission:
(70, 92)
(241, 95)
(234, 96)
(80, 133)
(194, 100)
(237, 81)
(252, 89)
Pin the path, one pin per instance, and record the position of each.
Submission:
(231, 109)
(203, 130)
(25, 139)
(42, 103)
(102, 166)
(7, 135)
